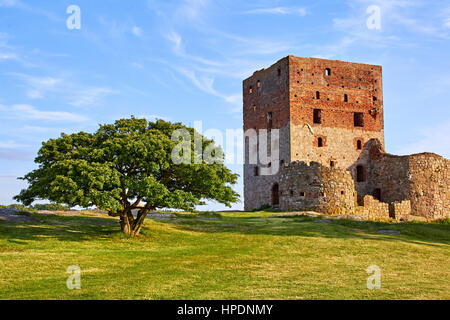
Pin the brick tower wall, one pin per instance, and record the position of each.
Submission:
(362, 85)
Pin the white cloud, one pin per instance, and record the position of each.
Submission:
(206, 84)
(75, 94)
(28, 112)
(10, 144)
(280, 11)
(137, 31)
(89, 96)
(7, 56)
(175, 38)
(8, 3)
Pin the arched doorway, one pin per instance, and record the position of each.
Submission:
(275, 195)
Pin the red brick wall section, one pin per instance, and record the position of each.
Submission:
(360, 82)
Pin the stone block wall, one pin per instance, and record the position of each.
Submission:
(400, 211)
(315, 187)
(423, 178)
(372, 209)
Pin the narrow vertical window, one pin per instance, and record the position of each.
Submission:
(317, 116)
(360, 174)
(269, 120)
(358, 144)
(345, 98)
(328, 72)
(317, 95)
(320, 142)
(250, 90)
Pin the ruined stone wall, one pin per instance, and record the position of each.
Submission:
(424, 179)
(315, 187)
(400, 211)
(372, 209)
(430, 185)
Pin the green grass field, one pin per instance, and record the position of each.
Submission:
(235, 256)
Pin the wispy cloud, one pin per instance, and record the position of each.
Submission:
(11, 144)
(136, 31)
(29, 112)
(91, 96)
(9, 3)
(206, 84)
(279, 11)
(75, 94)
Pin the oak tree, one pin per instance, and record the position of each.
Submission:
(128, 167)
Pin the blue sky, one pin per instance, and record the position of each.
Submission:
(185, 61)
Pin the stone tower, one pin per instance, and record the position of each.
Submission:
(326, 111)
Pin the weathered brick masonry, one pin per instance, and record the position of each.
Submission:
(331, 145)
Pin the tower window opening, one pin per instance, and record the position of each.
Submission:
(358, 119)
(377, 194)
(317, 95)
(317, 116)
(360, 174)
(269, 120)
(332, 164)
(279, 72)
(258, 84)
(374, 99)
(328, 72)
(250, 90)
(320, 142)
(358, 144)
(256, 171)
(345, 97)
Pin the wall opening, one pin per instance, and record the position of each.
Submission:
(360, 174)
(279, 72)
(377, 194)
(317, 116)
(320, 142)
(358, 119)
(359, 144)
(328, 72)
(258, 84)
(317, 95)
(250, 90)
(275, 195)
(332, 164)
(345, 98)
(269, 120)
(255, 171)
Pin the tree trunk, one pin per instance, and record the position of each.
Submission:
(130, 225)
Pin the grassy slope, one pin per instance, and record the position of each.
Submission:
(276, 258)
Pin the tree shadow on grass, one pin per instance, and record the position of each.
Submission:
(85, 228)
(412, 232)
(63, 228)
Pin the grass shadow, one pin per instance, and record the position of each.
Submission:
(305, 226)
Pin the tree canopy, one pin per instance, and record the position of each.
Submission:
(128, 166)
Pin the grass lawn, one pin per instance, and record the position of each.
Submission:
(233, 256)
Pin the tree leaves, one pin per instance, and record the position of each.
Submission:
(124, 166)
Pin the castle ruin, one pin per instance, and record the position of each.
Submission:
(331, 145)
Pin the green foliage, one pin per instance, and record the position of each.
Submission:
(124, 166)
